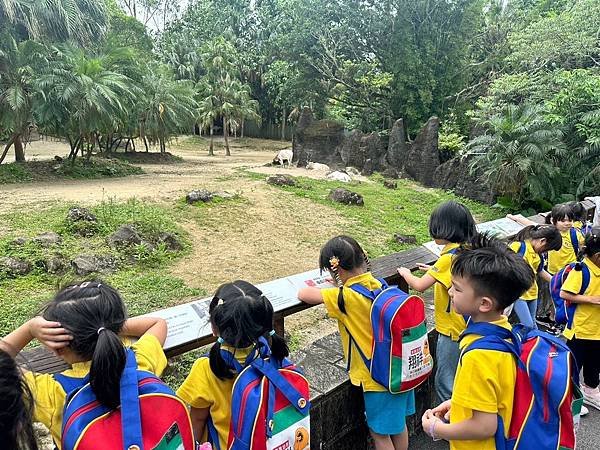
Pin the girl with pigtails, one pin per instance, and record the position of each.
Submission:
(348, 264)
(241, 318)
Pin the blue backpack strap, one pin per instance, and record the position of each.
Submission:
(213, 434)
(283, 385)
(522, 248)
(131, 421)
(70, 384)
(574, 240)
(362, 290)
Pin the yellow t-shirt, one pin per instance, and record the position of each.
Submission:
(447, 321)
(557, 259)
(357, 321)
(586, 323)
(485, 381)
(50, 397)
(203, 389)
(533, 260)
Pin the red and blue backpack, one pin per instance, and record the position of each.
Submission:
(270, 404)
(565, 311)
(546, 392)
(150, 417)
(400, 358)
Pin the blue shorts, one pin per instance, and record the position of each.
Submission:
(386, 412)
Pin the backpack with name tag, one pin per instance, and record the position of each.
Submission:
(547, 400)
(150, 417)
(270, 404)
(400, 358)
(565, 311)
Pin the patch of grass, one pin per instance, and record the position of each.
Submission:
(386, 211)
(14, 173)
(52, 170)
(141, 275)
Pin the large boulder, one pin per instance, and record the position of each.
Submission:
(56, 265)
(424, 157)
(456, 175)
(317, 141)
(170, 241)
(86, 264)
(48, 239)
(77, 213)
(15, 266)
(346, 197)
(398, 148)
(281, 180)
(125, 236)
(199, 195)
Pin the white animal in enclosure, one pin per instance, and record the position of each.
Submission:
(339, 176)
(284, 156)
(352, 171)
(317, 166)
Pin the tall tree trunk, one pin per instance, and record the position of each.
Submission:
(242, 130)
(146, 144)
(283, 125)
(19, 152)
(211, 151)
(7, 148)
(225, 133)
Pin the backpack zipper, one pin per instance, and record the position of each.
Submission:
(382, 313)
(547, 377)
(243, 403)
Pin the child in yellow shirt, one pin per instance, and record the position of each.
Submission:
(562, 217)
(84, 325)
(450, 225)
(584, 335)
(531, 243)
(346, 261)
(240, 314)
(486, 279)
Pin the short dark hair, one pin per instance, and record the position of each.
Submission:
(453, 222)
(493, 270)
(579, 211)
(559, 212)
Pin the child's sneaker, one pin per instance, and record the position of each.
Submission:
(584, 411)
(591, 396)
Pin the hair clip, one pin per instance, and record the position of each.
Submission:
(220, 340)
(272, 333)
(220, 302)
(334, 262)
(84, 284)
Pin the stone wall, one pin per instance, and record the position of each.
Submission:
(337, 415)
(327, 142)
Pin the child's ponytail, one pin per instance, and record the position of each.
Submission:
(279, 348)
(548, 232)
(108, 362)
(94, 314)
(217, 364)
(344, 252)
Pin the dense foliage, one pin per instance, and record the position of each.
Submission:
(100, 74)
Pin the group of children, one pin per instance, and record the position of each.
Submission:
(475, 280)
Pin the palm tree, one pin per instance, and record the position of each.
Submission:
(57, 20)
(83, 96)
(518, 152)
(18, 63)
(167, 106)
(221, 92)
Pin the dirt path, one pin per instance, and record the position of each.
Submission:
(268, 235)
